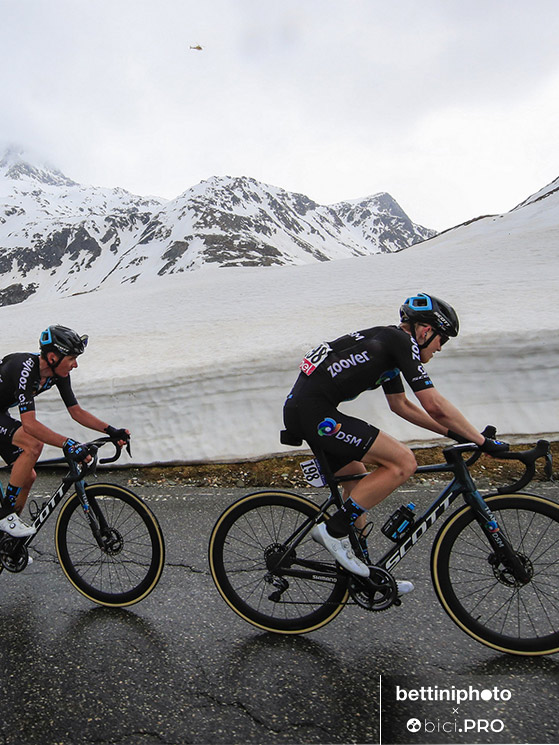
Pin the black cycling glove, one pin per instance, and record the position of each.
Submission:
(457, 437)
(494, 447)
(117, 435)
(75, 451)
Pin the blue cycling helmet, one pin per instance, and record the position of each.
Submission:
(423, 308)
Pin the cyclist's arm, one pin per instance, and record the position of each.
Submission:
(447, 415)
(32, 426)
(89, 420)
(400, 404)
(86, 419)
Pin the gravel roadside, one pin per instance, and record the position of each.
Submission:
(284, 471)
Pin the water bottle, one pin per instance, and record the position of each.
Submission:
(399, 523)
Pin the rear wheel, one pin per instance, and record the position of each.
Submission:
(129, 564)
(483, 595)
(264, 575)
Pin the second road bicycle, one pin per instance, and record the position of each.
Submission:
(108, 542)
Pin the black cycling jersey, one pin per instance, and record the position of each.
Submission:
(364, 360)
(20, 382)
(339, 371)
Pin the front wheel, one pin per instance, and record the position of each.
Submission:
(128, 565)
(269, 571)
(483, 595)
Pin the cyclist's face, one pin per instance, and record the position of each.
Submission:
(67, 364)
(434, 345)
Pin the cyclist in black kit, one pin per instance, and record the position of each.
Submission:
(339, 371)
(22, 377)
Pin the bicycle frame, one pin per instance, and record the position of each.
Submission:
(49, 506)
(75, 476)
(392, 557)
(461, 485)
(422, 524)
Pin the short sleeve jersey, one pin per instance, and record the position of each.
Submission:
(365, 360)
(20, 382)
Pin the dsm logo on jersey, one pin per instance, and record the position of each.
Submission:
(330, 428)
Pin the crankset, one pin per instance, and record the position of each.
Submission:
(13, 555)
(377, 592)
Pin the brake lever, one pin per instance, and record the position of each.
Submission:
(92, 469)
(548, 466)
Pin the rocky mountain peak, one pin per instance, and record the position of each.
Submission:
(18, 165)
(78, 239)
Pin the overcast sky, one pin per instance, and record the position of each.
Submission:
(451, 106)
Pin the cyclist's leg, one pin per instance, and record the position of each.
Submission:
(354, 468)
(23, 472)
(13, 499)
(394, 462)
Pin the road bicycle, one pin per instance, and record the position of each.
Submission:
(494, 561)
(108, 542)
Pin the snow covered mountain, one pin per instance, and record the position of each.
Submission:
(197, 364)
(59, 236)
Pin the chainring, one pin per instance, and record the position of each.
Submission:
(377, 593)
(13, 555)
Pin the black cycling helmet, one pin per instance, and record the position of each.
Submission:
(422, 308)
(63, 340)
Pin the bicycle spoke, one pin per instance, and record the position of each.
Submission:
(486, 592)
(129, 561)
(264, 576)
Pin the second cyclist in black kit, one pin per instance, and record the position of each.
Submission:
(23, 376)
(339, 371)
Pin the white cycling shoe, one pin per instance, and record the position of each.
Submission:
(341, 550)
(404, 586)
(14, 526)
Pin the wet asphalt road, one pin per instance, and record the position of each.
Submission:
(180, 667)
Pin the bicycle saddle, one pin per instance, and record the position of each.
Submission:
(288, 438)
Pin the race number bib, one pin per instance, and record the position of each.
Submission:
(314, 357)
(312, 473)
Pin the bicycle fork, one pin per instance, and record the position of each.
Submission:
(503, 551)
(95, 518)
